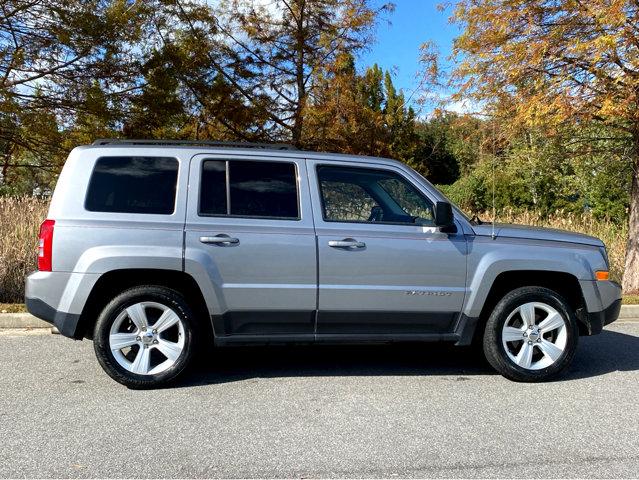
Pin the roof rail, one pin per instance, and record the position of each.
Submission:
(206, 143)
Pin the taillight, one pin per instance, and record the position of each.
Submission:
(45, 245)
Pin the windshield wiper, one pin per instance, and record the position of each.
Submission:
(476, 220)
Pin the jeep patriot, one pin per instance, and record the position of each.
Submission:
(151, 248)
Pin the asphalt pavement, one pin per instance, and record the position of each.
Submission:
(320, 411)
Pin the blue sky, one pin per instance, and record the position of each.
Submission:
(397, 48)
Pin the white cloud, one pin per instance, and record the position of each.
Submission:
(464, 107)
(438, 100)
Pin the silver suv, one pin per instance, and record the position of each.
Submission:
(153, 248)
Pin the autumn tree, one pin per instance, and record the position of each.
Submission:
(52, 54)
(281, 46)
(345, 111)
(192, 84)
(558, 62)
(360, 114)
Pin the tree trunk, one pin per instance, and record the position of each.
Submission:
(631, 270)
(298, 122)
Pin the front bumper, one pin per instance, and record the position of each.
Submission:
(597, 320)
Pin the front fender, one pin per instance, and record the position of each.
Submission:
(489, 258)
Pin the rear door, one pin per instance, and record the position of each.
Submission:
(384, 269)
(249, 228)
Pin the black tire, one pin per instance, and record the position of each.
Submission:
(494, 348)
(147, 293)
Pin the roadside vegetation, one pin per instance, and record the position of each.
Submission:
(550, 133)
(20, 218)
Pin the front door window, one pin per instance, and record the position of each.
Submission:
(371, 195)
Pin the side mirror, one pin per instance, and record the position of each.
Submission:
(444, 218)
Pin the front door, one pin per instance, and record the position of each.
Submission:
(249, 233)
(384, 268)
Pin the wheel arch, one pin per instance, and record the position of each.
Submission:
(563, 283)
(115, 282)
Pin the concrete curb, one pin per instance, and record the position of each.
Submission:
(26, 320)
(21, 320)
(629, 311)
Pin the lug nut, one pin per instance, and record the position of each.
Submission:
(155, 331)
(539, 340)
(530, 342)
(155, 342)
(525, 334)
(137, 338)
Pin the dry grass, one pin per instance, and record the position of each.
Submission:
(12, 308)
(630, 300)
(20, 220)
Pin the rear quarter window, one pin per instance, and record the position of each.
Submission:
(133, 185)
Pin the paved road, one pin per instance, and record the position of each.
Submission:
(320, 412)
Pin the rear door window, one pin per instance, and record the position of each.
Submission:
(249, 189)
(133, 185)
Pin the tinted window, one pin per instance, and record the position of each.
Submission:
(263, 189)
(213, 188)
(133, 185)
(369, 195)
(408, 198)
(346, 202)
(257, 189)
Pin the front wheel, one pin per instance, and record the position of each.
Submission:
(531, 335)
(144, 337)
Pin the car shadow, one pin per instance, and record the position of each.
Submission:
(605, 353)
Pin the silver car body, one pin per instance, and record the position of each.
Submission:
(282, 280)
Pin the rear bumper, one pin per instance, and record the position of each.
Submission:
(59, 298)
(597, 320)
(66, 323)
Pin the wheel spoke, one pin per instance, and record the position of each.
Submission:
(527, 312)
(166, 320)
(137, 314)
(141, 363)
(170, 350)
(524, 357)
(512, 334)
(118, 341)
(551, 350)
(553, 321)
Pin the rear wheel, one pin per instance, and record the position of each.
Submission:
(144, 337)
(531, 335)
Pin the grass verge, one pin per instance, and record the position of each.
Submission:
(12, 308)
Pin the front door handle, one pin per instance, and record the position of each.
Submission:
(346, 243)
(221, 239)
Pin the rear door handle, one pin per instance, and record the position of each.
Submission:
(221, 239)
(346, 243)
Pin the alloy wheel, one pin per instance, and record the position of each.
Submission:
(147, 338)
(534, 335)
